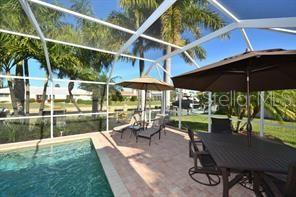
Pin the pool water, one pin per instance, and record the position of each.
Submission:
(71, 169)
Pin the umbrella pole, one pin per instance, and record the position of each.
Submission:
(249, 125)
(144, 122)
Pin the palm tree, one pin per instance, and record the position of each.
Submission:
(186, 16)
(15, 50)
(96, 35)
(132, 18)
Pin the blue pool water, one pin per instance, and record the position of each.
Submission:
(71, 169)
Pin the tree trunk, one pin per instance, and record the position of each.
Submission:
(27, 84)
(19, 89)
(103, 98)
(241, 115)
(42, 104)
(166, 78)
(141, 63)
(12, 95)
(70, 88)
(141, 69)
(95, 100)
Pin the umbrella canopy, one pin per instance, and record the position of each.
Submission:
(251, 71)
(146, 83)
(268, 70)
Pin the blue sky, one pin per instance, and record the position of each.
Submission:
(216, 49)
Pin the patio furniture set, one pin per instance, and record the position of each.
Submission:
(228, 155)
(143, 129)
(250, 158)
(236, 158)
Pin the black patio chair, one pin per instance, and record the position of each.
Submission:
(207, 166)
(221, 125)
(133, 123)
(163, 119)
(148, 133)
(275, 187)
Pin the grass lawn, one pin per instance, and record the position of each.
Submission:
(284, 131)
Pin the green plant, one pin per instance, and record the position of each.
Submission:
(32, 100)
(133, 98)
(87, 102)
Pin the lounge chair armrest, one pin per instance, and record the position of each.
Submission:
(155, 119)
(203, 153)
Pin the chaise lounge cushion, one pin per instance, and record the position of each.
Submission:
(121, 127)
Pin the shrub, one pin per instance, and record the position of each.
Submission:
(80, 101)
(133, 98)
(59, 100)
(32, 100)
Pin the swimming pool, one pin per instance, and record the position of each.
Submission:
(71, 169)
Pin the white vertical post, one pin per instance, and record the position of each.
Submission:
(163, 102)
(209, 111)
(149, 111)
(51, 108)
(180, 109)
(26, 7)
(107, 107)
(107, 92)
(261, 114)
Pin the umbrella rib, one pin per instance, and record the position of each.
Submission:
(213, 81)
(262, 69)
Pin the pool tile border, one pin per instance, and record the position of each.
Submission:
(113, 177)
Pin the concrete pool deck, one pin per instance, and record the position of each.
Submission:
(137, 169)
(160, 169)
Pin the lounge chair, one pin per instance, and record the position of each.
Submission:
(221, 125)
(135, 119)
(149, 132)
(164, 119)
(207, 166)
(274, 186)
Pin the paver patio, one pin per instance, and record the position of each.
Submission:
(159, 169)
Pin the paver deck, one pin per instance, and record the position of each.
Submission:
(160, 169)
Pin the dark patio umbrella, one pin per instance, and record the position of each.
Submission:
(146, 83)
(251, 71)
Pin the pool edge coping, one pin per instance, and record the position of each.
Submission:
(115, 182)
(112, 175)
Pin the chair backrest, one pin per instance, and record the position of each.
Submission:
(156, 122)
(135, 118)
(221, 125)
(290, 188)
(191, 138)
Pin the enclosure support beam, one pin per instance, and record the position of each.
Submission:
(253, 23)
(283, 30)
(152, 18)
(220, 7)
(261, 127)
(209, 112)
(195, 43)
(27, 9)
(110, 25)
(180, 109)
(75, 45)
(286, 22)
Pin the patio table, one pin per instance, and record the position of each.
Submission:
(231, 152)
